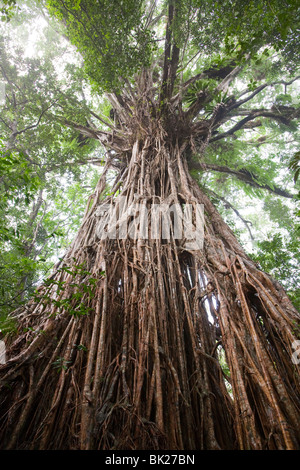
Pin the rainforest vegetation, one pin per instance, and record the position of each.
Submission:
(130, 343)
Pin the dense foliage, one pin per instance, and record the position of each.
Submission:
(44, 164)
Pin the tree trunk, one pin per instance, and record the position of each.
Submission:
(124, 346)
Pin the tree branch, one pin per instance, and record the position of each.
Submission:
(255, 92)
(227, 204)
(213, 72)
(15, 133)
(101, 119)
(205, 97)
(279, 114)
(223, 86)
(171, 59)
(260, 88)
(242, 174)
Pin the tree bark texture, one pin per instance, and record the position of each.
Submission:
(124, 346)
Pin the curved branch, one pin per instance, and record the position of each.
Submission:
(243, 175)
(260, 88)
(254, 93)
(228, 204)
(33, 126)
(235, 128)
(107, 139)
(281, 114)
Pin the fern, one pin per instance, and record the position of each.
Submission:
(294, 165)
